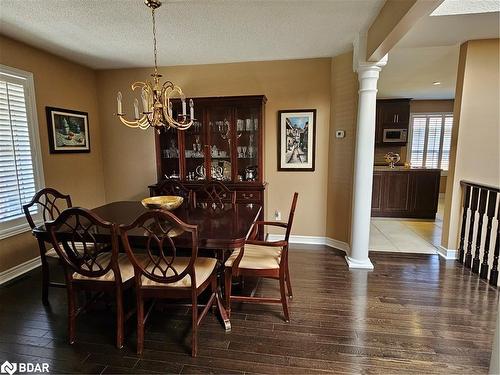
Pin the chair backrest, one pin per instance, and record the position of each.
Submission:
(157, 259)
(214, 192)
(173, 187)
(85, 243)
(50, 202)
(291, 215)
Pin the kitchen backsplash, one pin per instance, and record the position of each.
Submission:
(380, 152)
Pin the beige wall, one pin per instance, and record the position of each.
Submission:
(64, 84)
(344, 99)
(476, 134)
(128, 154)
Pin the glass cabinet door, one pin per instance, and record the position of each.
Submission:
(194, 145)
(169, 153)
(247, 143)
(220, 143)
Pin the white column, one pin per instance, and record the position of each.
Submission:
(368, 74)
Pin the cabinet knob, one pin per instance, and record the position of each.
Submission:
(246, 196)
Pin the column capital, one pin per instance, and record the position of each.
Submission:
(359, 61)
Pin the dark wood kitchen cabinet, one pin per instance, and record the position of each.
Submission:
(410, 193)
(391, 114)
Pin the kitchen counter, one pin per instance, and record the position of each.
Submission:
(405, 192)
(401, 168)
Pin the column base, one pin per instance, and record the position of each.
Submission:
(354, 263)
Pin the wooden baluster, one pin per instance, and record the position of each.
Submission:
(494, 267)
(481, 210)
(466, 202)
(470, 238)
(490, 213)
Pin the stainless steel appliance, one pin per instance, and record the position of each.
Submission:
(395, 135)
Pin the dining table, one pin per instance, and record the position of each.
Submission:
(221, 227)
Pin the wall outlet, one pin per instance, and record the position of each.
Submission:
(277, 215)
(340, 134)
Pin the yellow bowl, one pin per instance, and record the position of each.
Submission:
(164, 202)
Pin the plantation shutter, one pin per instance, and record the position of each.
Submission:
(431, 140)
(445, 156)
(17, 179)
(418, 141)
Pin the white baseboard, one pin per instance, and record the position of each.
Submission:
(312, 240)
(447, 253)
(18, 270)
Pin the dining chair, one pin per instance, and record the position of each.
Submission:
(161, 274)
(88, 248)
(47, 204)
(174, 187)
(214, 193)
(262, 259)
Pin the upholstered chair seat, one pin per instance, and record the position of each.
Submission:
(126, 269)
(203, 268)
(257, 257)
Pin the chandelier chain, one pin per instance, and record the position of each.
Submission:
(154, 40)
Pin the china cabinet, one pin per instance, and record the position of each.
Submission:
(225, 143)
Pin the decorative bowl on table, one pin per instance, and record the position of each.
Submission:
(163, 202)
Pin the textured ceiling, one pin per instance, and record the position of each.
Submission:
(117, 33)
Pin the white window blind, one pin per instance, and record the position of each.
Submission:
(20, 163)
(431, 140)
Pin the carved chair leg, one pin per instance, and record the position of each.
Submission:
(140, 323)
(194, 341)
(288, 282)
(71, 313)
(45, 273)
(284, 298)
(228, 273)
(119, 318)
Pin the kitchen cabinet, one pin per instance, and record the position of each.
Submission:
(391, 114)
(410, 193)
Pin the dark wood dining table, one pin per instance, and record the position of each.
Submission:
(219, 228)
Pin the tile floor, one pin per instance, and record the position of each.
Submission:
(407, 235)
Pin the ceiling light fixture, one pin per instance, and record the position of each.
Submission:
(156, 98)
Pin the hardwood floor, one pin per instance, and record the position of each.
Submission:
(412, 314)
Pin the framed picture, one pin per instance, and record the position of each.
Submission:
(68, 131)
(296, 140)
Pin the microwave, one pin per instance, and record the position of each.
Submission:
(395, 136)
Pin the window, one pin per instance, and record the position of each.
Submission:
(20, 160)
(430, 140)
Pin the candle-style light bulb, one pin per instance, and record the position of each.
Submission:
(191, 109)
(119, 103)
(136, 109)
(144, 98)
(184, 112)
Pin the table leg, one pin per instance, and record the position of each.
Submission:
(219, 297)
(222, 310)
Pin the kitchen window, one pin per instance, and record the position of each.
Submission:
(21, 173)
(430, 140)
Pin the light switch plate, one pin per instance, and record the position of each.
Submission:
(339, 133)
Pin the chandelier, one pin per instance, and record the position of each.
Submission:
(156, 98)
